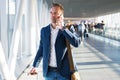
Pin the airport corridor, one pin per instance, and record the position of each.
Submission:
(96, 60)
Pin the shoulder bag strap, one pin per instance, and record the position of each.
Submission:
(70, 56)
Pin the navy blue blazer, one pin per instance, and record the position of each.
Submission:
(60, 47)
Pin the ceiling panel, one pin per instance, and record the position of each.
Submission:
(88, 8)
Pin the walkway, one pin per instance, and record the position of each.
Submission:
(96, 60)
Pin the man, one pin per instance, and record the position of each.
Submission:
(53, 48)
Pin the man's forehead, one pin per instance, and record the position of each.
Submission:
(55, 8)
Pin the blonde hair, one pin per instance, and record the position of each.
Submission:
(58, 5)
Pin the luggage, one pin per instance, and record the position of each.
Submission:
(86, 35)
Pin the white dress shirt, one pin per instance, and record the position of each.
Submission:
(53, 61)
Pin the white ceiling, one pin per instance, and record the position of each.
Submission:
(88, 8)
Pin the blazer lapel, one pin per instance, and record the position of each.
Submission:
(59, 34)
(48, 34)
(47, 38)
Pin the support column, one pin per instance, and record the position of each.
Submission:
(15, 39)
(3, 24)
(31, 27)
(37, 25)
(27, 28)
(4, 70)
(40, 12)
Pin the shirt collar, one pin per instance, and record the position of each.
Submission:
(53, 29)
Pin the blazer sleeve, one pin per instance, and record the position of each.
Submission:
(72, 36)
(39, 54)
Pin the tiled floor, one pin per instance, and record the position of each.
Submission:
(95, 60)
(98, 61)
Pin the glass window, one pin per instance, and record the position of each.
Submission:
(0, 26)
(112, 25)
(11, 19)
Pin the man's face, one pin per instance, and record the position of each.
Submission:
(56, 15)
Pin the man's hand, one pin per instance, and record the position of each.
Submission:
(60, 21)
(32, 71)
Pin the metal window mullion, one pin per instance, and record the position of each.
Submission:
(15, 39)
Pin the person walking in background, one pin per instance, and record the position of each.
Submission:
(52, 48)
(80, 31)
